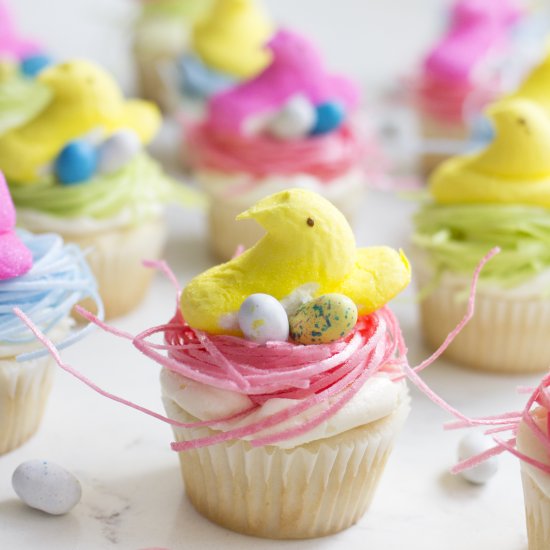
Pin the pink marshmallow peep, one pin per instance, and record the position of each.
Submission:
(478, 28)
(296, 68)
(12, 45)
(15, 257)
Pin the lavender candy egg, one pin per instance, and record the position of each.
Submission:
(323, 320)
(474, 444)
(263, 319)
(295, 119)
(46, 486)
(118, 150)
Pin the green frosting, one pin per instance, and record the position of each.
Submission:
(458, 236)
(21, 99)
(186, 9)
(139, 187)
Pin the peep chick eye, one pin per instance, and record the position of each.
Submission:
(310, 222)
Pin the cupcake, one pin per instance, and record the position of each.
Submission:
(45, 279)
(79, 169)
(223, 44)
(288, 127)
(530, 442)
(499, 196)
(462, 73)
(281, 376)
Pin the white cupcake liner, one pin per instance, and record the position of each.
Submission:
(537, 513)
(311, 490)
(116, 258)
(24, 390)
(508, 333)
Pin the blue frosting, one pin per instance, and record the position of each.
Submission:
(200, 81)
(58, 280)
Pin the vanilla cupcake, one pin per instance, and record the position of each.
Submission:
(187, 51)
(45, 279)
(497, 197)
(281, 375)
(291, 126)
(79, 168)
(530, 442)
(466, 69)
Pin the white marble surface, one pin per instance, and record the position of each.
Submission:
(132, 493)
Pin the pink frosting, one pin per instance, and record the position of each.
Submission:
(326, 157)
(15, 257)
(11, 44)
(296, 68)
(478, 28)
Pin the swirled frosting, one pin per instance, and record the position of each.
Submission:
(58, 279)
(138, 188)
(21, 99)
(513, 169)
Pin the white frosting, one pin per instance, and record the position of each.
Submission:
(39, 222)
(161, 36)
(347, 187)
(9, 351)
(378, 398)
(528, 444)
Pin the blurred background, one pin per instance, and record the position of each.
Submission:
(373, 40)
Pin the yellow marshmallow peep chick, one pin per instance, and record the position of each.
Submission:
(513, 169)
(231, 38)
(85, 98)
(308, 241)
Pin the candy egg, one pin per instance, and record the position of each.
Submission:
(323, 320)
(117, 150)
(295, 120)
(76, 163)
(263, 319)
(329, 117)
(46, 486)
(473, 444)
(32, 65)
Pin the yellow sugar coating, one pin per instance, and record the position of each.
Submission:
(85, 98)
(536, 87)
(513, 169)
(232, 37)
(308, 240)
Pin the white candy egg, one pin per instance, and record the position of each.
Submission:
(46, 486)
(117, 150)
(262, 318)
(474, 444)
(294, 120)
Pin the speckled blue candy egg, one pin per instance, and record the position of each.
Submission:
(329, 117)
(76, 163)
(323, 320)
(263, 319)
(32, 65)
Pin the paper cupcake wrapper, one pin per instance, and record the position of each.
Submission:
(537, 514)
(116, 259)
(508, 333)
(312, 490)
(24, 390)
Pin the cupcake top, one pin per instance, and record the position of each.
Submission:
(82, 155)
(497, 197)
(292, 118)
(465, 64)
(529, 439)
(41, 276)
(272, 344)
